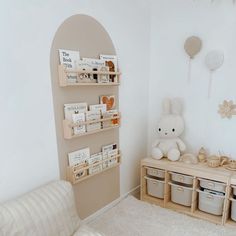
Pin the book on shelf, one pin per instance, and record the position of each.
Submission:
(76, 118)
(114, 120)
(98, 107)
(109, 100)
(79, 157)
(113, 161)
(109, 151)
(69, 59)
(85, 77)
(74, 108)
(95, 158)
(78, 160)
(92, 116)
(112, 63)
(98, 65)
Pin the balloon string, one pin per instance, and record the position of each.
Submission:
(210, 85)
(189, 70)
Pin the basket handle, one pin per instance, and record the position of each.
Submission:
(180, 189)
(209, 196)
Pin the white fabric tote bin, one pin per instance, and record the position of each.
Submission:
(213, 185)
(155, 187)
(181, 194)
(156, 172)
(233, 209)
(211, 203)
(186, 180)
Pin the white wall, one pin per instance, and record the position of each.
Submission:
(27, 134)
(172, 22)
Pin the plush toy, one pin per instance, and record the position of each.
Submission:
(170, 127)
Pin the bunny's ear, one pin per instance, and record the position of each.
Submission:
(176, 107)
(166, 106)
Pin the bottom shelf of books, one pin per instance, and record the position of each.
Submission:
(83, 166)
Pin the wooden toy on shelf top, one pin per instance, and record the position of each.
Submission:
(189, 158)
(202, 155)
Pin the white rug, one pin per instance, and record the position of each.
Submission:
(132, 217)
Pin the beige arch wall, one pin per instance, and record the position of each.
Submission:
(84, 33)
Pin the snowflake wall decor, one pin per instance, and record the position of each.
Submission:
(227, 109)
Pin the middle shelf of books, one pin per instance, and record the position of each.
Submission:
(79, 121)
(82, 165)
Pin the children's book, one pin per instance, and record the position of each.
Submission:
(85, 77)
(74, 108)
(112, 122)
(95, 65)
(95, 158)
(92, 116)
(70, 59)
(79, 157)
(107, 152)
(112, 63)
(98, 107)
(76, 118)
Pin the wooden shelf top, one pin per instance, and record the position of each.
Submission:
(199, 170)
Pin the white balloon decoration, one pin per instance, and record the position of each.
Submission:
(214, 60)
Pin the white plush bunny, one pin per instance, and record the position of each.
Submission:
(170, 127)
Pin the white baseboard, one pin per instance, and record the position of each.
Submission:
(110, 205)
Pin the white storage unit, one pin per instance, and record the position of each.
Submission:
(183, 179)
(156, 173)
(155, 187)
(211, 203)
(195, 190)
(181, 194)
(213, 185)
(233, 209)
(234, 189)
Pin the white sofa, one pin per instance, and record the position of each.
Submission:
(47, 211)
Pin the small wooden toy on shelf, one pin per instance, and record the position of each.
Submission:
(189, 158)
(214, 161)
(202, 155)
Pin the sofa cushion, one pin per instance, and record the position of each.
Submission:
(85, 230)
(46, 211)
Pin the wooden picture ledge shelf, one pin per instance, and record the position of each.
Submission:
(63, 72)
(197, 172)
(73, 171)
(69, 132)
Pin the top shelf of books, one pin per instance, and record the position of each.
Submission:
(74, 71)
(69, 77)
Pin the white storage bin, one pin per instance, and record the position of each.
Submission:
(213, 185)
(156, 172)
(183, 179)
(233, 209)
(210, 203)
(155, 187)
(181, 194)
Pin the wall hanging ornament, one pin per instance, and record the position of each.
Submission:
(214, 60)
(192, 47)
(227, 109)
